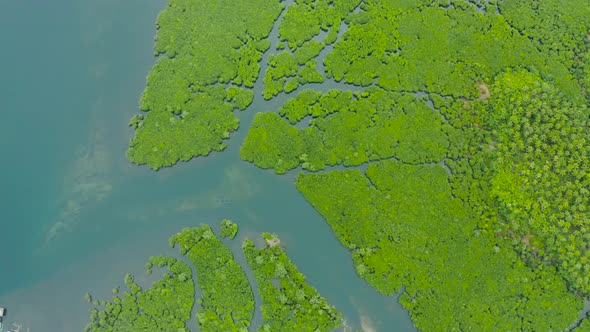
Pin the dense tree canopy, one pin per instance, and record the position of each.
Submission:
(362, 127)
(481, 132)
(300, 29)
(541, 171)
(471, 115)
(405, 229)
(293, 305)
(189, 106)
(227, 301)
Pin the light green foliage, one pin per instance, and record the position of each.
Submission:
(292, 85)
(309, 73)
(541, 171)
(514, 143)
(200, 127)
(295, 109)
(556, 27)
(302, 22)
(272, 143)
(291, 305)
(280, 67)
(444, 48)
(188, 115)
(308, 51)
(404, 228)
(584, 325)
(241, 98)
(351, 135)
(165, 306)
(304, 19)
(332, 35)
(227, 302)
(228, 229)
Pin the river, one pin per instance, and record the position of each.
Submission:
(75, 215)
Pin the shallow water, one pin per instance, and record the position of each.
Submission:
(75, 215)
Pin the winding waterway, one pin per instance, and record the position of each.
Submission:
(75, 215)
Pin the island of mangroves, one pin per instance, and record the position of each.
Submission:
(450, 157)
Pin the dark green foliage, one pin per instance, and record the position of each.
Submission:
(136, 121)
(404, 228)
(228, 229)
(165, 306)
(227, 302)
(288, 302)
(188, 115)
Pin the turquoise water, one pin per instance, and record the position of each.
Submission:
(75, 215)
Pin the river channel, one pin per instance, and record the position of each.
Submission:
(76, 215)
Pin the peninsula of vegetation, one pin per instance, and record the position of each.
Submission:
(226, 302)
(294, 306)
(165, 306)
(449, 155)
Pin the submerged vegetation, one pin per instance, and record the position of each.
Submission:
(471, 115)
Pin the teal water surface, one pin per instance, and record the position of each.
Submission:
(75, 215)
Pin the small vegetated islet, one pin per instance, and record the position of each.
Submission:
(227, 301)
